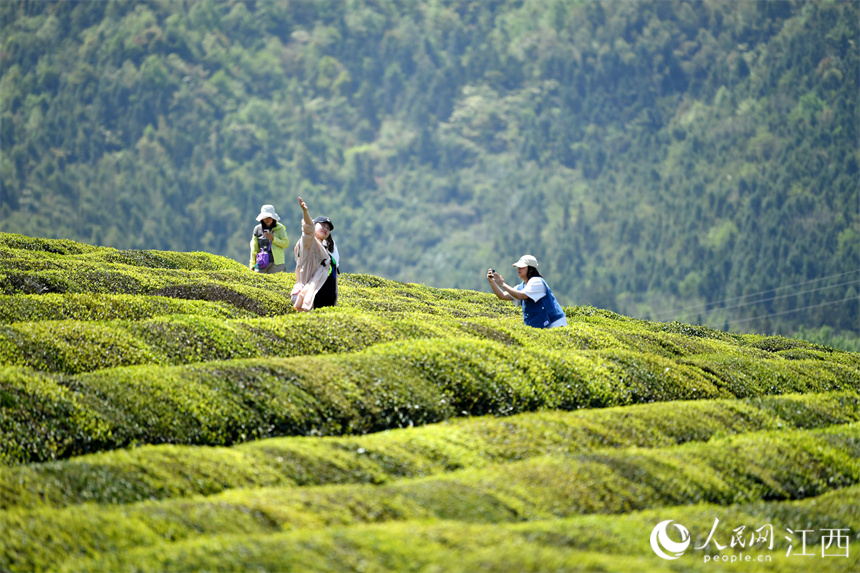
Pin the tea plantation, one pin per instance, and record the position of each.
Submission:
(164, 411)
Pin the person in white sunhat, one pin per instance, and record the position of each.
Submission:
(317, 262)
(540, 308)
(268, 243)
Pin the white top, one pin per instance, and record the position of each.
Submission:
(535, 289)
(336, 256)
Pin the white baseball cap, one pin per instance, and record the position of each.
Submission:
(526, 261)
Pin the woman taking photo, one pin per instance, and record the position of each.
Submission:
(268, 243)
(540, 308)
(316, 264)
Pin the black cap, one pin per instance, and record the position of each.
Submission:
(325, 220)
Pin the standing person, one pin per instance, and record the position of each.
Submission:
(268, 243)
(316, 264)
(540, 308)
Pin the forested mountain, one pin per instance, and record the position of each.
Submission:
(654, 156)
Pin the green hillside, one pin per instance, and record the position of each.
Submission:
(168, 411)
(666, 159)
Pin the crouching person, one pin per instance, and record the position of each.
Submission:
(540, 308)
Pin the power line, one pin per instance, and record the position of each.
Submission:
(705, 306)
(785, 296)
(793, 310)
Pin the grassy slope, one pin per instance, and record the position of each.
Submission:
(102, 349)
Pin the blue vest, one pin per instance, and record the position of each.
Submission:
(542, 313)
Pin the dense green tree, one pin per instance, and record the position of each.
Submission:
(657, 155)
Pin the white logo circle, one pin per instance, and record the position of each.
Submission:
(660, 540)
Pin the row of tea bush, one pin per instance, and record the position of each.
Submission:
(389, 385)
(582, 543)
(745, 468)
(203, 333)
(169, 471)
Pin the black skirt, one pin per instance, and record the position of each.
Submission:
(327, 295)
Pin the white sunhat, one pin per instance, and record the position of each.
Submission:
(526, 261)
(268, 211)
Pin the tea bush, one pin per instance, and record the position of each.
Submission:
(756, 466)
(199, 337)
(71, 347)
(33, 249)
(581, 543)
(392, 385)
(138, 474)
(116, 366)
(84, 307)
(32, 266)
(747, 376)
(18, 246)
(246, 292)
(40, 419)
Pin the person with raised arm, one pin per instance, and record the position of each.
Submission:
(540, 308)
(316, 264)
